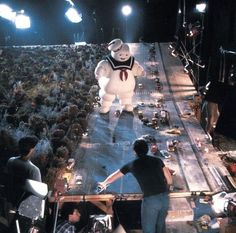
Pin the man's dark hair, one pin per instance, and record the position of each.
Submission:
(140, 146)
(27, 143)
(67, 209)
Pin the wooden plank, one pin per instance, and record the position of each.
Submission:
(118, 197)
(180, 210)
(193, 173)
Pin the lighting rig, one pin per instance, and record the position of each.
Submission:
(190, 55)
(188, 58)
(18, 18)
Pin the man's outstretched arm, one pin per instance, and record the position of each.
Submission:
(110, 179)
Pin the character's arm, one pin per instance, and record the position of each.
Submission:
(138, 70)
(102, 69)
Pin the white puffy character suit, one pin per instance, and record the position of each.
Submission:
(116, 76)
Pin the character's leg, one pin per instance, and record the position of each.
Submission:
(126, 101)
(106, 102)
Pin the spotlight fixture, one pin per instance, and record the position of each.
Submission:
(201, 7)
(126, 10)
(22, 21)
(73, 15)
(6, 12)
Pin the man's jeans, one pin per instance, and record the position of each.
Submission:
(154, 210)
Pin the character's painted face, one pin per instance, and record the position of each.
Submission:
(123, 54)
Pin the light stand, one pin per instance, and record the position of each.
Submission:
(200, 48)
(96, 26)
(32, 207)
(184, 20)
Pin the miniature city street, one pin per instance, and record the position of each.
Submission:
(163, 114)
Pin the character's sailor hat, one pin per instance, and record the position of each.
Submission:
(115, 45)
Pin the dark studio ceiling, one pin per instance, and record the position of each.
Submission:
(151, 20)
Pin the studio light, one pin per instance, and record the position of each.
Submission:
(22, 21)
(201, 7)
(73, 15)
(126, 10)
(6, 12)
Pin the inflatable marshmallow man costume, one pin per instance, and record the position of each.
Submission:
(116, 76)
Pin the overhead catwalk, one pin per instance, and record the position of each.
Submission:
(164, 114)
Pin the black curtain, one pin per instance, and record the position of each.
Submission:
(219, 47)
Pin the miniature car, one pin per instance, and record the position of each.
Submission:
(159, 86)
(141, 104)
(140, 86)
(117, 113)
(164, 117)
(165, 154)
(145, 120)
(155, 114)
(149, 138)
(151, 105)
(140, 114)
(154, 121)
(157, 80)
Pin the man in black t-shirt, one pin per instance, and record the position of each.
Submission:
(154, 179)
